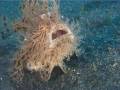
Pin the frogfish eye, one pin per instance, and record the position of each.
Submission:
(58, 33)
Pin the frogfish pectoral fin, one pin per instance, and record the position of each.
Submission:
(63, 67)
(45, 74)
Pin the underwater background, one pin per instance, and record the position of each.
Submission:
(98, 65)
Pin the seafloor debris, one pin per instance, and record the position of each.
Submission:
(48, 40)
(5, 31)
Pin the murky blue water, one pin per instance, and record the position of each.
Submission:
(98, 65)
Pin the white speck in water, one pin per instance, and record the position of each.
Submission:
(73, 70)
(62, 17)
(78, 73)
(25, 39)
(115, 64)
(1, 78)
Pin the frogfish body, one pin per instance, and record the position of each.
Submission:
(48, 40)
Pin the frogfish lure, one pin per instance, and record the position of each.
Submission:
(48, 39)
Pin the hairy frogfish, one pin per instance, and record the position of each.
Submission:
(48, 39)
